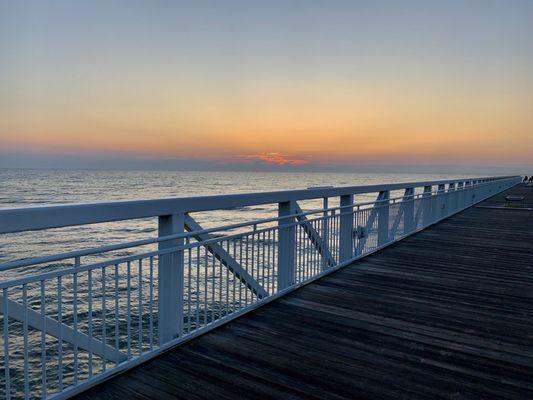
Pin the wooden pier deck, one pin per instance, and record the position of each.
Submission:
(444, 314)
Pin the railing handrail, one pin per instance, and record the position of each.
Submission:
(9, 265)
(62, 215)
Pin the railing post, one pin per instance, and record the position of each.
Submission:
(383, 217)
(460, 195)
(286, 244)
(408, 203)
(466, 194)
(452, 199)
(346, 228)
(170, 279)
(441, 202)
(427, 213)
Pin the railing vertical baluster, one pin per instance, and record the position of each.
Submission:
(264, 246)
(128, 309)
(234, 278)
(104, 317)
(77, 263)
(117, 332)
(383, 204)
(247, 267)
(170, 279)
(228, 278)
(90, 316)
(240, 262)
(252, 266)
(307, 254)
(140, 305)
(286, 244)
(197, 287)
(25, 338)
(220, 282)
(312, 254)
(275, 251)
(336, 236)
(5, 311)
(346, 228)
(325, 233)
(43, 341)
(60, 336)
(206, 262)
(213, 285)
(301, 248)
(269, 268)
(300, 271)
(189, 291)
(316, 249)
(151, 305)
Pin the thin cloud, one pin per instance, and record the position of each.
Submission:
(273, 158)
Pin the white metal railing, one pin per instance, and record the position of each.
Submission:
(65, 329)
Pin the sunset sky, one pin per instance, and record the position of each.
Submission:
(275, 84)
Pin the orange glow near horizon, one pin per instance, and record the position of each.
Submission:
(288, 129)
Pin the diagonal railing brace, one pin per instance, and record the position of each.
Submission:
(225, 258)
(56, 329)
(317, 241)
(370, 221)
